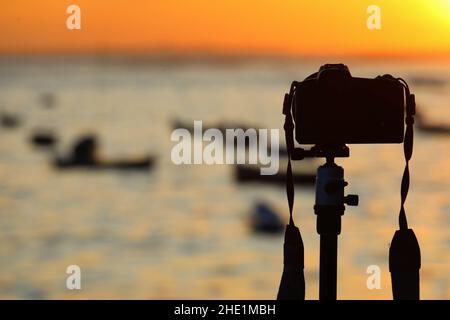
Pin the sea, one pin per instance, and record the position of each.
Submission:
(183, 231)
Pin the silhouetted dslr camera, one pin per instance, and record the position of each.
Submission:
(331, 107)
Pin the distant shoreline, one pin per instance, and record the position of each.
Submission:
(170, 58)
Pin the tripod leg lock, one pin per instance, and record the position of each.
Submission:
(329, 219)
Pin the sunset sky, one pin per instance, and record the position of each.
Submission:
(284, 27)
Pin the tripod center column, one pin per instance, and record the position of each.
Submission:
(329, 208)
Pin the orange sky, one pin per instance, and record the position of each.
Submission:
(293, 27)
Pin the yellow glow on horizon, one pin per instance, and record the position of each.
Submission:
(442, 8)
(447, 4)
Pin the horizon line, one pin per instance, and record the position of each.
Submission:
(209, 55)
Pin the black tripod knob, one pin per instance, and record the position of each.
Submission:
(351, 200)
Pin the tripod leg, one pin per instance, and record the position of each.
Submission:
(328, 267)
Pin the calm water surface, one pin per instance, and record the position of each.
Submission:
(181, 231)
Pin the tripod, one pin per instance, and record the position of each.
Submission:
(329, 207)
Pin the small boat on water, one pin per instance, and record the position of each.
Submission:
(265, 220)
(43, 138)
(433, 128)
(144, 163)
(428, 81)
(9, 120)
(84, 156)
(48, 100)
(304, 172)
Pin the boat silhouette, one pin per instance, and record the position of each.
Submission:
(84, 156)
(265, 220)
(425, 125)
(43, 138)
(303, 173)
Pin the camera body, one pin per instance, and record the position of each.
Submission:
(331, 107)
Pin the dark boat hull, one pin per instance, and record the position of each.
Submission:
(138, 164)
(246, 174)
(43, 140)
(434, 129)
